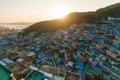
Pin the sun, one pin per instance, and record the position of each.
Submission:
(60, 11)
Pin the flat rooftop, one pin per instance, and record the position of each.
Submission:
(5, 73)
(37, 76)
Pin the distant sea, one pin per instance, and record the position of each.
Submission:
(15, 26)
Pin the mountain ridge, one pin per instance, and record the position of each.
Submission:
(74, 18)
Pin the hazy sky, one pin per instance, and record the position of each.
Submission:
(37, 10)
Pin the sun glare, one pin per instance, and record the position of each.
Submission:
(60, 11)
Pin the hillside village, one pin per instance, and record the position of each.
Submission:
(86, 51)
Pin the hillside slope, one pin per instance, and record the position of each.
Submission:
(112, 11)
(73, 18)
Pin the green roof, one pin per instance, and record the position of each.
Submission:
(106, 76)
(5, 73)
(89, 69)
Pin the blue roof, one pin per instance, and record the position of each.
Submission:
(80, 65)
(118, 32)
(105, 27)
(51, 57)
(117, 45)
(41, 56)
(95, 51)
(110, 31)
(59, 59)
(3, 42)
(98, 67)
(99, 41)
(37, 60)
(94, 31)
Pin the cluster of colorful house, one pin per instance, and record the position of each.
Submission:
(87, 51)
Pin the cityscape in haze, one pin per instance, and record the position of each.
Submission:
(59, 39)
